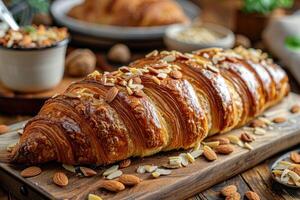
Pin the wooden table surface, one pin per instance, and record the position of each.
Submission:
(257, 179)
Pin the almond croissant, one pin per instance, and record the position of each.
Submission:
(165, 101)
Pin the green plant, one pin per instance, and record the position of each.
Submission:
(265, 6)
(293, 42)
(24, 10)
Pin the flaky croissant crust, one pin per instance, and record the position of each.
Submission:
(165, 101)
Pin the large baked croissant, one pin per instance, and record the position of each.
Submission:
(129, 13)
(164, 101)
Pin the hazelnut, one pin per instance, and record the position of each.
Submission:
(119, 53)
(80, 62)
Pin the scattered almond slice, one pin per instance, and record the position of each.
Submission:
(212, 144)
(69, 168)
(150, 168)
(259, 131)
(110, 170)
(87, 171)
(125, 163)
(163, 172)
(155, 174)
(248, 146)
(295, 109)
(197, 153)
(184, 159)
(190, 158)
(94, 197)
(114, 175)
(130, 180)
(197, 146)
(141, 170)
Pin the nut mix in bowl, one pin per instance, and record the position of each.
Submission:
(33, 37)
(33, 58)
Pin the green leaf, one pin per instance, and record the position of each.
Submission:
(29, 29)
(292, 42)
(265, 6)
(40, 5)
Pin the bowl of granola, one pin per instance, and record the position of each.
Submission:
(32, 58)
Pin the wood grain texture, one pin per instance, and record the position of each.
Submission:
(183, 182)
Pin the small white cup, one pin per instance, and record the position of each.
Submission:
(33, 70)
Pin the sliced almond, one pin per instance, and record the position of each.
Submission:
(279, 120)
(3, 128)
(139, 93)
(212, 144)
(184, 160)
(69, 168)
(176, 74)
(190, 158)
(197, 153)
(197, 146)
(150, 168)
(153, 71)
(112, 185)
(259, 131)
(60, 179)
(295, 157)
(129, 91)
(152, 53)
(248, 146)
(174, 166)
(88, 171)
(221, 140)
(141, 170)
(130, 180)
(209, 153)
(110, 170)
(94, 197)
(31, 172)
(111, 94)
(155, 174)
(169, 58)
(163, 172)
(156, 80)
(114, 175)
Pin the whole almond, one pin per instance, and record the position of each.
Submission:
(228, 190)
(3, 128)
(31, 171)
(224, 149)
(245, 137)
(124, 163)
(295, 157)
(128, 179)
(279, 120)
(60, 179)
(252, 195)
(87, 171)
(233, 196)
(222, 140)
(112, 185)
(209, 153)
(257, 123)
(111, 94)
(295, 109)
(176, 74)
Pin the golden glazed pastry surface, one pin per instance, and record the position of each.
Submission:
(129, 13)
(165, 101)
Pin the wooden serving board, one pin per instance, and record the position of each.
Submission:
(181, 184)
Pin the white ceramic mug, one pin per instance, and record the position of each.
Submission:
(33, 70)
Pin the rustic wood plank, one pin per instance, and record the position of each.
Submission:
(213, 193)
(183, 182)
(260, 181)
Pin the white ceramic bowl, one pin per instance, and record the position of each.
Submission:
(32, 70)
(226, 40)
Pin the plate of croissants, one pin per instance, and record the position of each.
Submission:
(123, 19)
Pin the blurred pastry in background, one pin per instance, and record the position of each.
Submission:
(130, 13)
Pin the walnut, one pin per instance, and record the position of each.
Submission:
(119, 53)
(80, 62)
